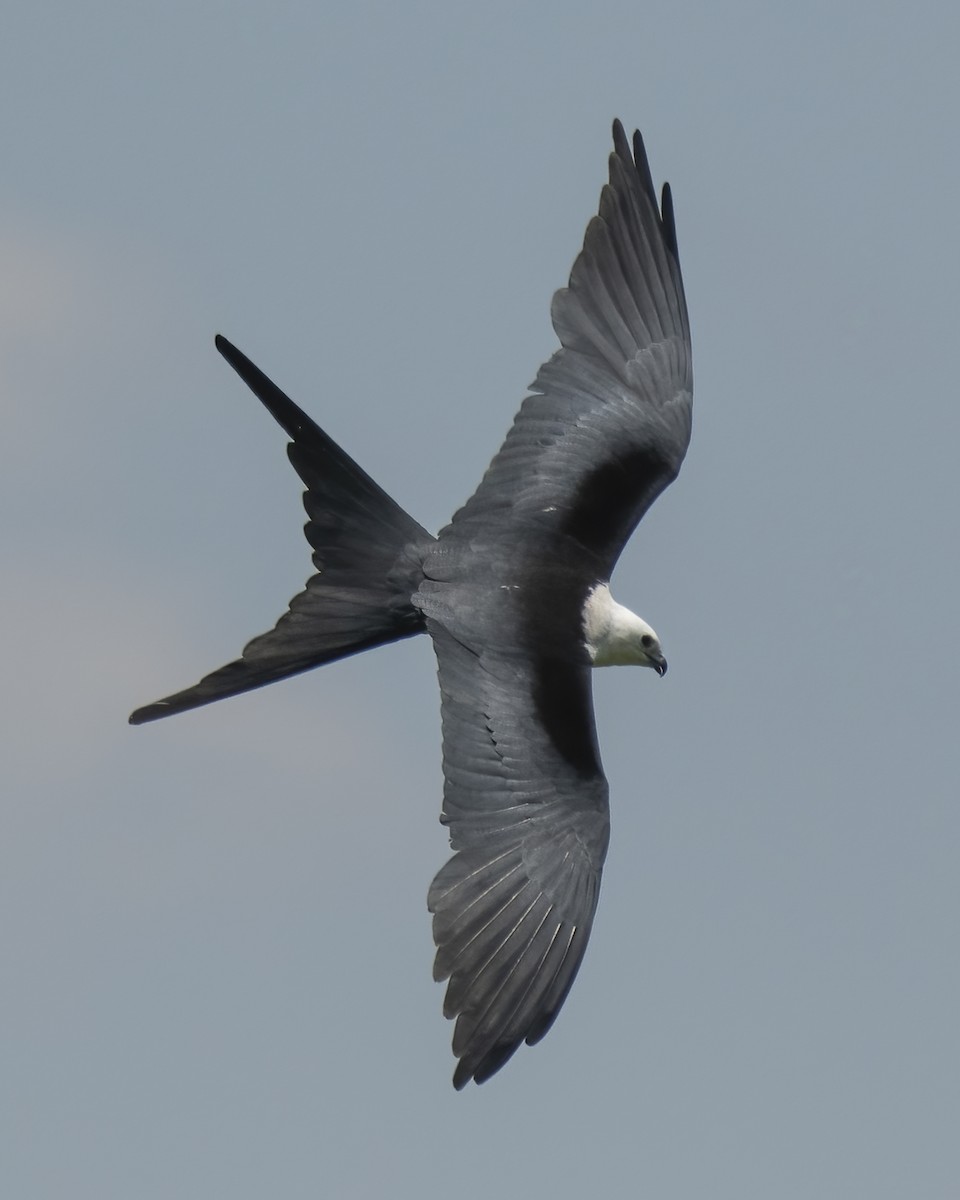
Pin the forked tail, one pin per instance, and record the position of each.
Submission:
(365, 551)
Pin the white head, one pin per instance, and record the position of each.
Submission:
(615, 636)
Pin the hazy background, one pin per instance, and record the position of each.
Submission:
(215, 948)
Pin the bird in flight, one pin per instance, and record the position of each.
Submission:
(515, 596)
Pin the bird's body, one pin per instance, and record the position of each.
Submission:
(514, 593)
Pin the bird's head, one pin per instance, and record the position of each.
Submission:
(615, 636)
(650, 653)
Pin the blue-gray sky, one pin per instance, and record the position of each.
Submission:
(216, 952)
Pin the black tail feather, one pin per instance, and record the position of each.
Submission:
(364, 549)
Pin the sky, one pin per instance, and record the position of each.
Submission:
(216, 952)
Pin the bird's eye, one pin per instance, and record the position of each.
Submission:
(646, 641)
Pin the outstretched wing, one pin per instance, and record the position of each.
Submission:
(609, 421)
(526, 804)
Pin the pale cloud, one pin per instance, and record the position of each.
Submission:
(41, 282)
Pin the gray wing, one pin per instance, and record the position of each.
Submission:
(514, 906)
(609, 421)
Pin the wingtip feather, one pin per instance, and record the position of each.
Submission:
(669, 221)
(149, 712)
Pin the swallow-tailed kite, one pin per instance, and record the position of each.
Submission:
(515, 594)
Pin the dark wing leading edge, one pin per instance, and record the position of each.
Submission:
(608, 423)
(514, 906)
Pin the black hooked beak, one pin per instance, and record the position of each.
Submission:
(660, 666)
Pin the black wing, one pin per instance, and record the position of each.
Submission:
(514, 906)
(609, 421)
(525, 798)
